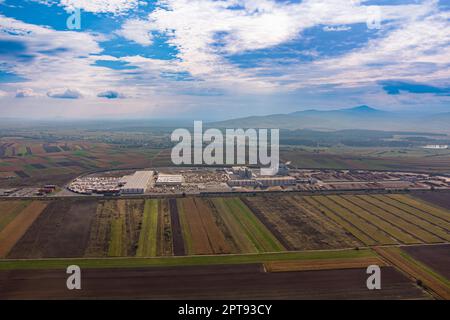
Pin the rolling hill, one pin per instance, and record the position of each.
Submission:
(361, 117)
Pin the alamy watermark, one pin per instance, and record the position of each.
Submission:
(73, 22)
(373, 18)
(236, 147)
(74, 280)
(374, 280)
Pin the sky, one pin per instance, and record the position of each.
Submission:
(219, 59)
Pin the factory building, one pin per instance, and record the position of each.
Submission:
(169, 180)
(276, 181)
(137, 183)
(242, 183)
(264, 182)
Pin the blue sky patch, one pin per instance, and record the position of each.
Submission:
(115, 65)
(397, 87)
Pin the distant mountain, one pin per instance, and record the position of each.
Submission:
(356, 111)
(361, 117)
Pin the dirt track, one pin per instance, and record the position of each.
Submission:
(206, 282)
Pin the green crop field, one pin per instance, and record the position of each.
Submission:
(147, 246)
(115, 245)
(260, 236)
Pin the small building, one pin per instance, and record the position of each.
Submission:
(169, 180)
(137, 183)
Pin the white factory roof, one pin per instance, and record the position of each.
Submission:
(436, 146)
(169, 178)
(139, 180)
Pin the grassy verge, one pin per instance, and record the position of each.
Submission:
(183, 261)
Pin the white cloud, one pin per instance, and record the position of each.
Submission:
(101, 6)
(412, 44)
(417, 49)
(195, 27)
(65, 94)
(59, 58)
(138, 31)
(25, 93)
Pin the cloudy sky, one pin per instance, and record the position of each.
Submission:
(221, 58)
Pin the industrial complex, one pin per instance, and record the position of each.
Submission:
(197, 180)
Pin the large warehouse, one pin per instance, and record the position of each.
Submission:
(137, 183)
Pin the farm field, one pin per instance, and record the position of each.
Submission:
(410, 204)
(432, 229)
(261, 237)
(385, 219)
(441, 199)
(147, 246)
(203, 236)
(25, 162)
(15, 225)
(325, 264)
(60, 231)
(141, 228)
(82, 228)
(207, 282)
(125, 228)
(299, 225)
(214, 226)
(9, 211)
(185, 260)
(439, 285)
(334, 207)
(436, 257)
(398, 159)
(164, 230)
